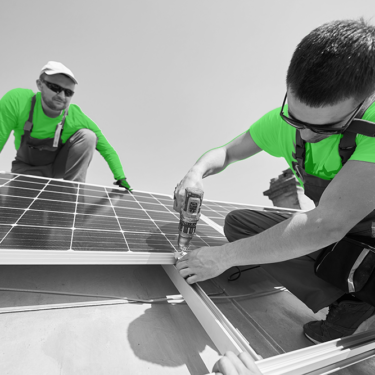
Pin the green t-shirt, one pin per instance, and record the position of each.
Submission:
(273, 135)
(14, 111)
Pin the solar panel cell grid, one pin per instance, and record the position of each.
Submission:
(34, 238)
(54, 215)
(50, 215)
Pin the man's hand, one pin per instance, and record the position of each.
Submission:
(192, 179)
(123, 183)
(230, 364)
(202, 264)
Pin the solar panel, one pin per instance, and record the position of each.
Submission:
(49, 221)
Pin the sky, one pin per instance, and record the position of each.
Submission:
(168, 80)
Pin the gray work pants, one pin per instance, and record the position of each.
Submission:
(72, 160)
(297, 275)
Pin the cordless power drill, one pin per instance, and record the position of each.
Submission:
(189, 217)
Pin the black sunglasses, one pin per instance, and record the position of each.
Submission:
(319, 129)
(57, 89)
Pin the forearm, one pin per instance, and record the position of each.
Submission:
(212, 162)
(217, 159)
(300, 235)
(110, 156)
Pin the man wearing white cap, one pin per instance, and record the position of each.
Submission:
(52, 137)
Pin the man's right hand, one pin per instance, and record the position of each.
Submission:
(192, 179)
(230, 364)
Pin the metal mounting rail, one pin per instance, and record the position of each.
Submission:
(323, 358)
(11, 256)
(314, 360)
(222, 333)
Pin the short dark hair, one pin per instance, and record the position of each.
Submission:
(336, 61)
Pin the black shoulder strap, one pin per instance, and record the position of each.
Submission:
(299, 155)
(347, 143)
(300, 146)
(347, 146)
(363, 127)
(29, 123)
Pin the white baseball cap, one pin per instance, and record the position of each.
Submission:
(54, 67)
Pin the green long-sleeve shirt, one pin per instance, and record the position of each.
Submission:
(14, 111)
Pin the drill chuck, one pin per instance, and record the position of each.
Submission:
(189, 217)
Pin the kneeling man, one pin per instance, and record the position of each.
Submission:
(54, 138)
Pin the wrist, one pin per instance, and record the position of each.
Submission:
(197, 171)
(225, 257)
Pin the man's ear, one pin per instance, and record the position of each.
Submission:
(39, 84)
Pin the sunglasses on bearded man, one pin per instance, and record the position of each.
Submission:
(57, 89)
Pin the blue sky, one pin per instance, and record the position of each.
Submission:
(167, 80)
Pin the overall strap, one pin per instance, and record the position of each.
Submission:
(29, 123)
(347, 144)
(300, 155)
(59, 129)
(64, 117)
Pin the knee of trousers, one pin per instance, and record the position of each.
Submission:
(86, 136)
(231, 225)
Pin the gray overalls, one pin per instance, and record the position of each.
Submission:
(298, 275)
(49, 157)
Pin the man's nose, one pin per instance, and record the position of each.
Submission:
(61, 94)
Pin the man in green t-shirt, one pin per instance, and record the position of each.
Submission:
(54, 138)
(330, 84)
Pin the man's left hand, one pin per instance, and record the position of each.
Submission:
(202, 264)
(123, 183)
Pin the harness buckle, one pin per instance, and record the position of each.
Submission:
(298, 171)
(28, 126)
(347, 148)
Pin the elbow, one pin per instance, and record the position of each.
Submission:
(330, 231)
(334, 234)
(331, 225)
(326, 229)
